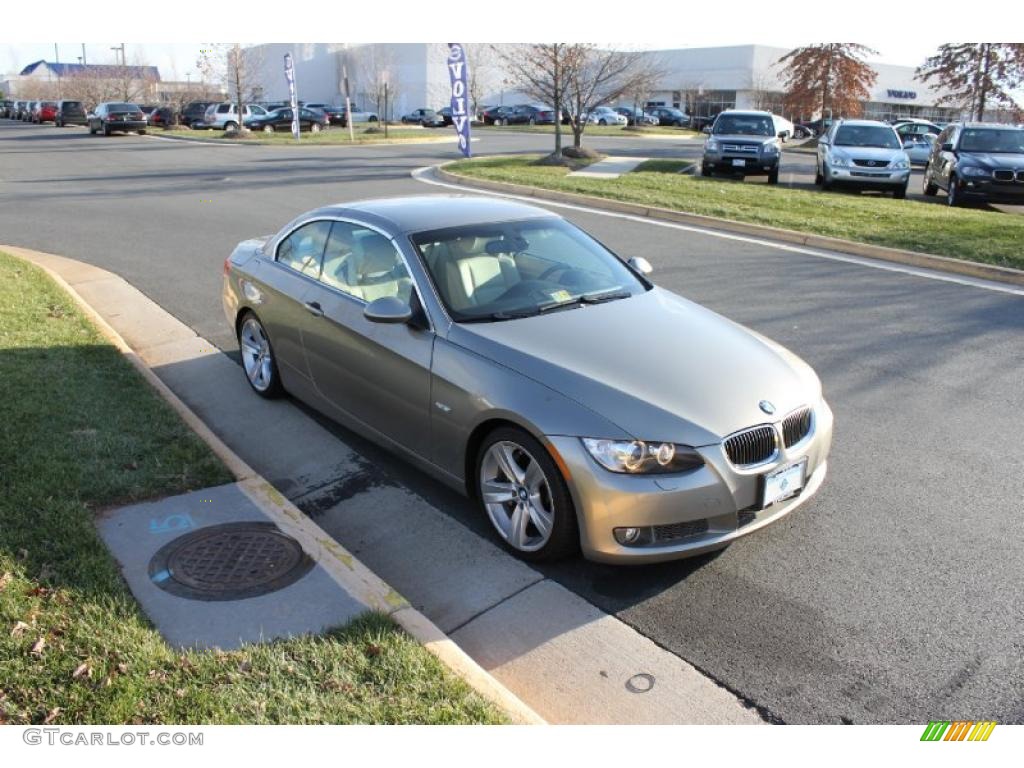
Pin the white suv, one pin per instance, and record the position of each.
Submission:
(224, 116)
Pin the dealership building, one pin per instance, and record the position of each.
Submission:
(704, 81)
(700, 81)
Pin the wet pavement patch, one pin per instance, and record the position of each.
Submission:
(211, 569)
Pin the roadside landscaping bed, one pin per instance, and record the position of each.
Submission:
(960, 233)
(81, 431)
(332, 136)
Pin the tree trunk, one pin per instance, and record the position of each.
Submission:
(558, 103)
(983, 80)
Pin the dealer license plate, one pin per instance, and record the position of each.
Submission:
(739, 162)
(783, 483)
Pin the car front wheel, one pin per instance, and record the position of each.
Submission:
(928, 187)
(258, 358)
(953, 195)
(525, 496)
(315, 128)
(900, 194)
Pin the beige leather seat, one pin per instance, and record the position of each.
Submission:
(474, 277)
(379, 271)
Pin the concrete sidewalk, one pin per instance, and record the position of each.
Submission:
(610, 168)
(567, 660)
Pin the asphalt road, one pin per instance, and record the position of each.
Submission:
(894, 596)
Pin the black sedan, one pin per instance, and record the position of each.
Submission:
(530, 114)
(428, 118)
(498, 115)
(281, 120)
(113, 116)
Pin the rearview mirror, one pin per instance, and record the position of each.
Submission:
(641, 265)
(388, 309)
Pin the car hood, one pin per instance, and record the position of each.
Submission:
(742, 138)
(993, 161)
(869, 153)
(656, 365)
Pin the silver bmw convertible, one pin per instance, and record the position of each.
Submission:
(511, 355)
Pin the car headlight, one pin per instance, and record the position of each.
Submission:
(838, 161)
(771, 148)
(900, 165)
(711, 145)
(972, 170)
(636, 457)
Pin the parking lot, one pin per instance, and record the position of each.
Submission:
(891, 597)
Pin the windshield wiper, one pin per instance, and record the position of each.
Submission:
(599, 298)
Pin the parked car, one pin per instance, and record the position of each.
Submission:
(6, 106)
(669, 116)
(980, 161)
(817, 127)
(742, 142)
(606, 116)
(281, 120)
(162, 117)
(359, 116)
(862, 154)
(148, 109)
(334, 115)
(428, 118)
(113, 116)
(194, 112)
(531, 114)
(495, 345)
(636, 117)
(914, 125)
(26, 113)
(918, 147)
(70, 113)
(224, 116)
(497, 115)
(44, 112)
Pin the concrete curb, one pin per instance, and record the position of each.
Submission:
(258, 143)
(910, 258)
(349, 572)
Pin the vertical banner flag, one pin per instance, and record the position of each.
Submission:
(459, 77)
(289, 75)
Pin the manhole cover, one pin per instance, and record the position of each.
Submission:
(229, 562)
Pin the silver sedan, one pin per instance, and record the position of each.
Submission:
(512, 356)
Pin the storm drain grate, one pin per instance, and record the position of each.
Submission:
(232, 561)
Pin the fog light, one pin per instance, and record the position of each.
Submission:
(627, 536)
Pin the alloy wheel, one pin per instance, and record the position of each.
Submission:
(517, 496)
(257, 357)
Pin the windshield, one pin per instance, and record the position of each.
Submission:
(1009, 140)
(516, 269)
(867, 136)
(122, 108)
(746, 125)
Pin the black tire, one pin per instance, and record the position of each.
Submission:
(818, 178)
(705, 170)
(142, 132)
(106, 130)
(602, 121)
(92, 131)
(927, 187)
(826, 182)
(900, 194)
(274, 388)
(773, 176)
(565, 535)
(230, 125)
(953, 193)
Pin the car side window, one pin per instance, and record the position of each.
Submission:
(303, 249)
(364, 264)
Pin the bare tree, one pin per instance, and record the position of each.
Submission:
(542, 71)
(977, 75)
(761, 94)
(600, 76)
(376, 67)
(238, 68)
(484, 73)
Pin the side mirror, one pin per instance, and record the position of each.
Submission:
(783, 134)
(641, 265)
(947, 146)
(388, 309)
(823, 141)
(706, 129)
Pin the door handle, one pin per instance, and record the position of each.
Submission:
(314, 308)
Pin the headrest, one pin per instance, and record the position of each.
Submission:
(378, 255)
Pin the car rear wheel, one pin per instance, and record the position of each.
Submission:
(927, 187)
(106, 130)
(705, 170)
(230, 125)
(268, 129)
(142, 132)
(525, 496)
(532, 121)
(258, 360)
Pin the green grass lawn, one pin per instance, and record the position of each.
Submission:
(81, 431)
(961, 233)
(332, 136)
(597, 130)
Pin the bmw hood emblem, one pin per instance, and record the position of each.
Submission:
(767, 407)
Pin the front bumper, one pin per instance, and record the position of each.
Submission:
(1011, 192)
(125, 125)
(760, 164)
(869, 178)
(717, 503)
